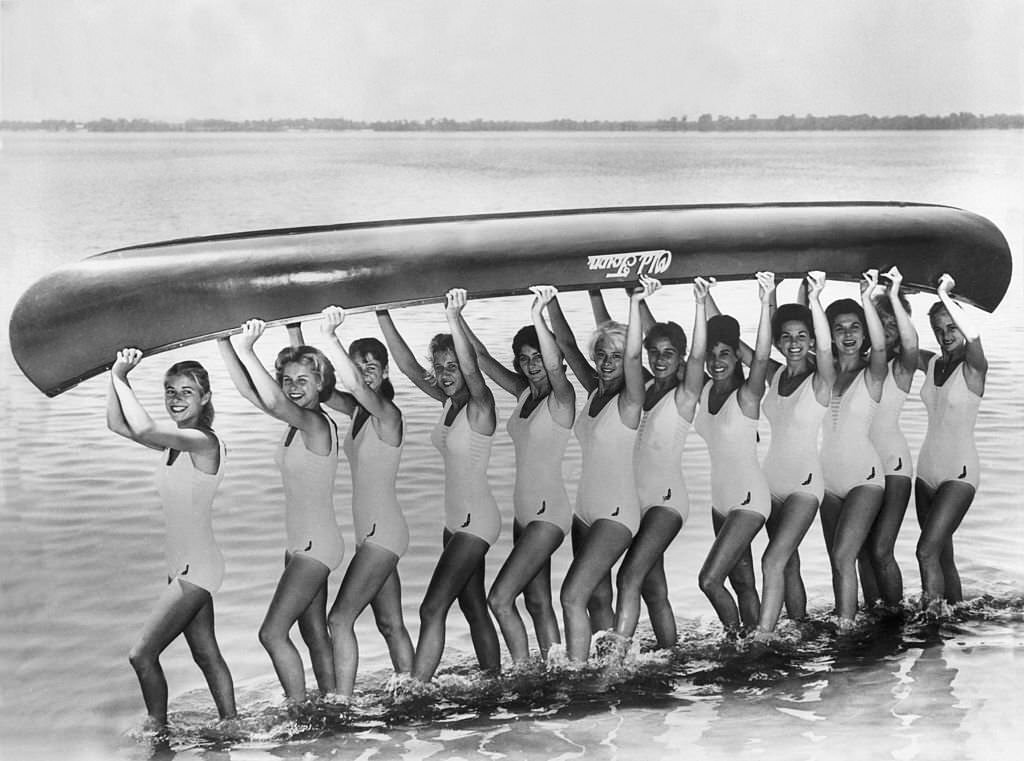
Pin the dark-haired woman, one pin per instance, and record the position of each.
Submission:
(854, 475)
(539, 427)
(463, 435)
(879, 573)
(947, 465)
(187, 483)
(374, 449)
(607, 511)
(308, 460)
(670, 402)
(740, 499)
(797, 399)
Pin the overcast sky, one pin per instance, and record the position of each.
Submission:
(516, 59)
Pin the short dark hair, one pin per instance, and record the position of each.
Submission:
(791, 313)
(668, 330)
(372, 347)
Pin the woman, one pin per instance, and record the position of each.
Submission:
(947, 465)
(374, 448)
(308, 460)
(740, 499)
(797, 399)
(463, 435)
(670, 402)
(539, 427)
(187, 483)
(879, 573)
(607, 506)
(853, 471)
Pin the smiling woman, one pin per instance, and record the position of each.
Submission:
(305, 379)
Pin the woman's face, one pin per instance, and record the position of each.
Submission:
(848, 334)
(946, 332)
(608, 359)
(184, 399)
(373, 370)
(531, 364)
(663, 358)
(447, 372)
(721, 362)
(301, 384)
(795, 341)
(892, 332)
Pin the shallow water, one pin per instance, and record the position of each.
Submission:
(80, 526)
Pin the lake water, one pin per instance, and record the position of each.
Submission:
(80, 526)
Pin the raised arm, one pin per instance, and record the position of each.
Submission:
(631, 402)
(273, 398)
(908, 359)
(141, 426)
(480, 410)
(598, 306)
(975, 361)
(693, 380)
(238, 374)
(878, 359)
(574, 357)
(562, 401)
(751, 392)
(508, 379)
(404, 357)
(350, 376)
(825, 369)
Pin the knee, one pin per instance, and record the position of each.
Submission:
(141, 658)
(773, 564)
(389, 628)
(708, 583)
(879, 555)
(432, 610)
(340, 620)
(538, 606)
(601, 597)
(205, 659)
(500, 604)
(269, 637)
(572, 600)
(928, 552)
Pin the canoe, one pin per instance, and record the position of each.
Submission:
(68, 326)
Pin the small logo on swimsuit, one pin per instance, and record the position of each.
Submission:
(543, 507)
(185, 572)
(469, 517)
(616, 511)
(621, 265)
(373, 530)
(899, 464)
(871, 475)
(747, 500)
(309, 546)
(963, 473)
(810, 477)
(668, 496)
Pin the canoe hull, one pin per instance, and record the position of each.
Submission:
(68, 326)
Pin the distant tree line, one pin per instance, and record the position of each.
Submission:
(704, 123)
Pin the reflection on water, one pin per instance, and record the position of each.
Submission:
(886, 691)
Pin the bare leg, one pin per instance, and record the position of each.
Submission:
(734, 533)
(605, 543)
(202, 641)
(658, 528)
(530, 556)
(387, 611)
(659, 609)
(314, 632)
(796, 594)
(940, 513)
(856, 514)
(370, 568)
(788, 524)
(462, 557)
(599, 606)
(881, 543)
(177, 606)
(302, 583)
(473, 604)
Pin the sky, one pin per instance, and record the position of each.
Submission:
(507, 59)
